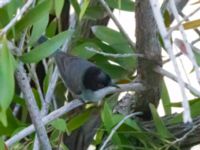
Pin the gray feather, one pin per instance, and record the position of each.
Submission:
(72, 70)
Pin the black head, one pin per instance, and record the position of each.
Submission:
(94, 79)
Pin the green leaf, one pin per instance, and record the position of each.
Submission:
(13, 6)
(108, 122)
(58, 7)
(2, 145)
(12, 125)
(115, 71)
(47, 78)
(160, 126)
(95, 13)
(3, 118)
(127, 5)
(39, 28)
(75, 6)
(59, 124)
(19, 100)
(109, 36)
(81, 50)
(47, 48)
(98, 137)
(179, 104)
(107, 117)
(78, 120)
(165, 99)
(84, 7)
(8, 11)
(167, 18)
(4, 18)
(37, 97)
(194, 107)
(6, 79)
(129, 122)
(55, 135)
(52, 28)
(115, 40)
(197, 57)
(64, 146)
(35, 14)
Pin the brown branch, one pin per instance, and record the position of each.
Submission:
(147, 44)
(185, 136)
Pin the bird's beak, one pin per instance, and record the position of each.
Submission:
(114, 85)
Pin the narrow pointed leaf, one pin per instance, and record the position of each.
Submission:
(160, 126)
(47, 48)
(6, 79)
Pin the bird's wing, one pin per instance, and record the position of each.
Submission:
(72, 69)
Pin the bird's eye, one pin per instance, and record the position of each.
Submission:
(99, 85)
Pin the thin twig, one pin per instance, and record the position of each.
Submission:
(71, 106)
(36, 81)
(54, 78)
(180, 22)
(173, 77)
(168, 60)
(47, 101)
(32, 107)
(30, 99)
(164, 34)
(52, 116)
(4, 2)
(195, 41)
(117, 127)
(179, 140)
(52, 83)
(188, 48)
(114, 19)
(50, 91)
(90, 49)
(17, 17)
(196, 30)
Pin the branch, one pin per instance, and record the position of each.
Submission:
(148, 45)
(71, 106)
(173, 77)
(117, 127)
(32, 107)
(180, 4)
(34, 76)
(17, 17)
(164, 34)
(54, 78)
(185, 137)
(4, 2)
(51, 88)
(52, 116)
(90, 49)
(185, 18)
(117, 23)
(187, 45)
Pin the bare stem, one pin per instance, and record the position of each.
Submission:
(17, 17)
(117, 23)
(164, 34)
(32, 107)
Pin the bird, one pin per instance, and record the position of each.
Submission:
(82, 77)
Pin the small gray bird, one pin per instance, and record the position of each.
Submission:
(81, 77)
